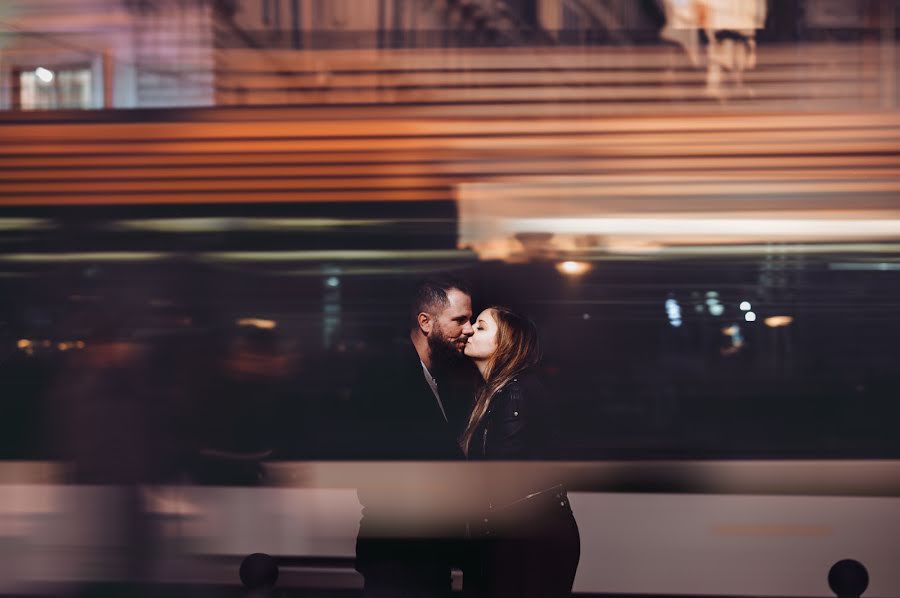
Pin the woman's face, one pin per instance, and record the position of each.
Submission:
(483, 343)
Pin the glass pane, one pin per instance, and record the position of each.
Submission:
(68, 88)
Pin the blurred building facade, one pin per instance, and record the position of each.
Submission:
(57, 54)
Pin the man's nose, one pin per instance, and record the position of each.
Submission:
(468, 330)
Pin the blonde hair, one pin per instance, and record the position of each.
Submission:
(517, 350)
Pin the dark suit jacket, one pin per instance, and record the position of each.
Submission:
(397, 415)
(398, 419)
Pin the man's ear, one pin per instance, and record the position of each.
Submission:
(425, 323)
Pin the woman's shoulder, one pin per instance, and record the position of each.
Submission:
(528, 384)
(529, 414)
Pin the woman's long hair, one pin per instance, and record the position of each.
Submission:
(517, 350)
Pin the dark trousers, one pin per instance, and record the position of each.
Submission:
(537, 558)
(397, 568)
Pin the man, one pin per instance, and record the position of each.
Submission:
(408, 410)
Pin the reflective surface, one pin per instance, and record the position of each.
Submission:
(212, 215)
(775, 350)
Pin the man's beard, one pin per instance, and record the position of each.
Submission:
(443, 351)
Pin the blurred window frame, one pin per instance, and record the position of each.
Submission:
(24, 61)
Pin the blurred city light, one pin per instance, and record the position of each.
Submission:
(257, 323)
(673, 311)
(750, 316)
(336, 255)
(572, 268)
(736, 338)
(197, 225)
(778, 321)
(25, 224)
(94, 256)
(45, 75)
(865, 266)
(712, 302)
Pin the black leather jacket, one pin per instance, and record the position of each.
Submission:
(521, 424)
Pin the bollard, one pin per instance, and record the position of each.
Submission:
(848, 579)
(259, 572)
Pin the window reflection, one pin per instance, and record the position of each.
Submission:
(53, 89)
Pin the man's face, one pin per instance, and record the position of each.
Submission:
(451, 327)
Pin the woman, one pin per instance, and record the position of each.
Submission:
(530, 544)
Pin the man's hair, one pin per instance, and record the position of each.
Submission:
(431, 295)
